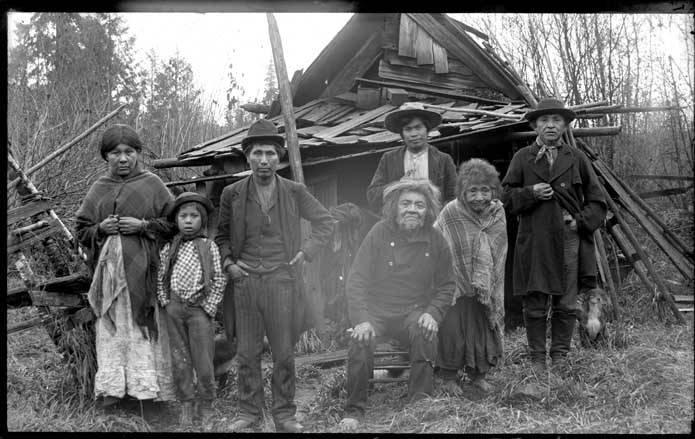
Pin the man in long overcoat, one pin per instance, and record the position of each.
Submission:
(416, 159)
(260, 244)
(553, 189)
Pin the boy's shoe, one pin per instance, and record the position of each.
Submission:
(186, 416)
(289, 426)
(206, 413)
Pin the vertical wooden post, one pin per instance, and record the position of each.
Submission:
(285, 99)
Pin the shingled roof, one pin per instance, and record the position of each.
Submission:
(378, 61)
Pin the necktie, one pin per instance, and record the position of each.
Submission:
(549, 152)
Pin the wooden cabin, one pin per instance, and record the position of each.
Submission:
(375, 63)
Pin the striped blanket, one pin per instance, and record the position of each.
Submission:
(479, 249)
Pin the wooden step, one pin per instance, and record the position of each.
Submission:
(26, 211)
(20, 243)
(683, 298)
(74, 283)
(45, 298)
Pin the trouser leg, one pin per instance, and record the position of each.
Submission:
(182, 366)
(422, 356)
(249, 331)
(201, 334)
(535, 316)
(360, 369)
(563, 315)
(278, 315)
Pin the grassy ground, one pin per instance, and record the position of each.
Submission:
(639, 381)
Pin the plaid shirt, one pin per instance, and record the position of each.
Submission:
(187, 276)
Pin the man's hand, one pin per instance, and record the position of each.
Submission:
(298, 258)
(129, 226)
(110, 225)
(429, 325)
(542, 191)
(236, 272)
(363, 332)
(573, 225)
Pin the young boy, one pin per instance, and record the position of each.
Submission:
(190, 285)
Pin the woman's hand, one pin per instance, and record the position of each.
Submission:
(129, 226)
(109, 226)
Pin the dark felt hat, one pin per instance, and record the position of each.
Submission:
(263, 129)
(396, 119)
(188, 197)
(550, 106)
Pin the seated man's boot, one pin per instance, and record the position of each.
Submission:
(562, 329)
(535, 336)
(186, 416)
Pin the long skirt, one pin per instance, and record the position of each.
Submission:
(128, 363)
(466, 339)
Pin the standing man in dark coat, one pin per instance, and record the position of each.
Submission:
(400, 285)
(416, 159)
(553, 189)
(259, 239)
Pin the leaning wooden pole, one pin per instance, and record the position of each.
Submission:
(665, 293)
(67, 146)
(285, 99)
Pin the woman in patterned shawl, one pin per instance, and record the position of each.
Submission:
(470, 336)
(121, 223)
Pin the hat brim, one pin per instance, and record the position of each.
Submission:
(394, 120)
(569, 115)
(273, 138)
(190, 198)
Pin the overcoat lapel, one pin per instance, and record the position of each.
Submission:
(540, 167)
(286, 213)
(239, 217)
(563, 162)
(432, 163)
(400, 164)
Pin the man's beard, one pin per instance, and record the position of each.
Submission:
(410, 223)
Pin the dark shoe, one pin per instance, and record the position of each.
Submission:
(186, 416)
(290, 426)
(241, 424)
(206, 413)
(561, 329)
(108, 401)
(535, 336)
(538, 368)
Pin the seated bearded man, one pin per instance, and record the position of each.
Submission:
(400, 285)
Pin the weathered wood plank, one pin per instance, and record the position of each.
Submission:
(26, 211)
(406, 36)
(423, 47)
(28, 324)
(381, 137)
(45, 298)
(308, 132)
(680, 261)
(333, 118)
(427, 76)
(441, 60)
(347, 126)
(19, 243)
(453, 65)
(462, 49)
(365, 57)
(430, 90)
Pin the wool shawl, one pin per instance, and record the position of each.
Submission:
(479, 250)
(141, 195)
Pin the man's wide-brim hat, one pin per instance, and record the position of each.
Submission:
(551, 106)
(188, 197)
(396, 119)
(263, 130)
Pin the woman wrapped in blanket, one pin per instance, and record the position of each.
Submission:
(121, 223)
(474, 225)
